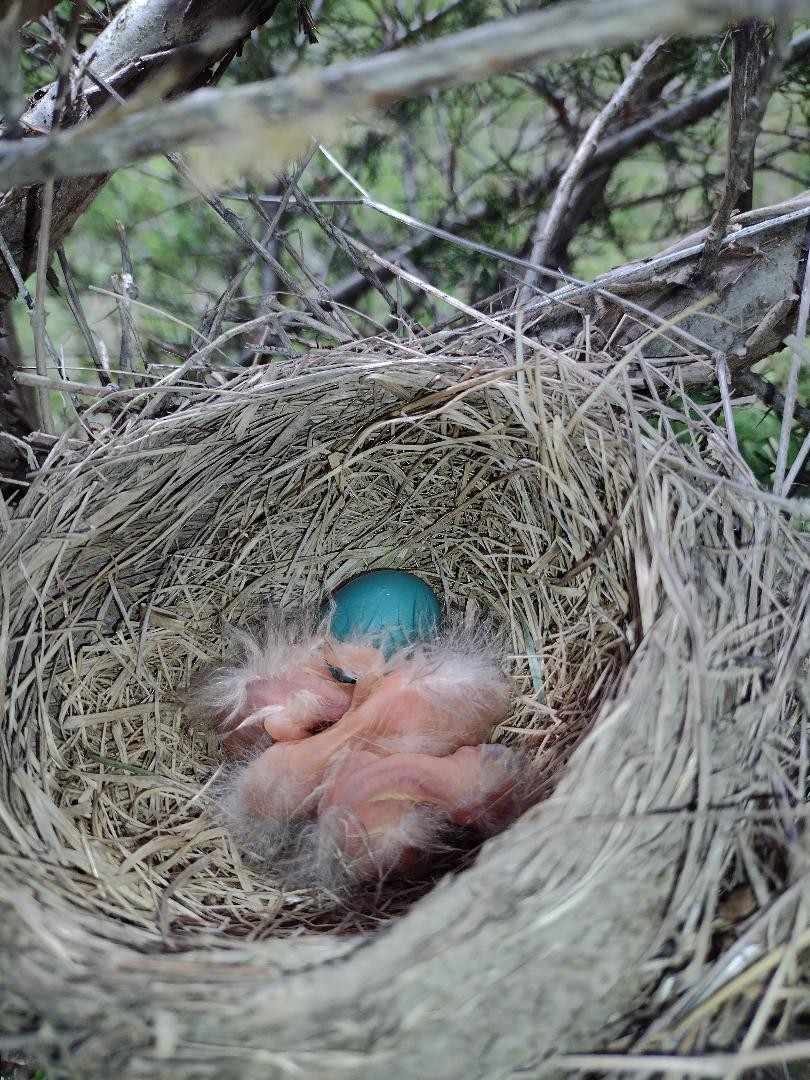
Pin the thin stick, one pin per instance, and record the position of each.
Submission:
(750, 92)
(793, 375)
(126, 288)
(548, 224)
(728, 412)
(770, 395)
(796, 467)
(233, 222)
(74, 303)
(37, 313)
(706, 1065)
(14, 270)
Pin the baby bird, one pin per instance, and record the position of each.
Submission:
(356, 765)
(281, 687)
(382, 815)
(432, 703)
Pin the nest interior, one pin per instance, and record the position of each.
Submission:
(657, 609)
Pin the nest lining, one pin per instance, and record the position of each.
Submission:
(224, 511)
(529, 493)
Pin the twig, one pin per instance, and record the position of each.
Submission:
(751, 88)
(770, 395)
(74, 303)
(207, 328)
(478, 317)
(611, 149)
(798, 463)
(61, 103)
(233, 222)
(127, 290)
(143, 38)
(549, 224)
(433, 230)
(14, 270)
(37, 313)
(725, 397)
(23, 290)
(681, 115)
(338, 237)
(704, 1066)
(290, 201)
(793, 375)
(211, 324)
(311, 98)
(425, 23)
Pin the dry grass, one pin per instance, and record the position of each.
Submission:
(647, 585)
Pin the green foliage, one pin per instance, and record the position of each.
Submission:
(757, 429)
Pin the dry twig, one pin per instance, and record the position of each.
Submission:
(308, 101)
(548, 223)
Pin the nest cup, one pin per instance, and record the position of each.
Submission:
(656, 605)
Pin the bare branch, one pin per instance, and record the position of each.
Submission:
(147, 37)
(751, 89)
(749, 317)
(790, 407)
(549, 223)
(316, 308)
(38, 310)
(770, 395)
(609, 151)
(682, 114)
(313, 98)
(75, 305)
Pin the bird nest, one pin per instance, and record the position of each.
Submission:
(656, 605)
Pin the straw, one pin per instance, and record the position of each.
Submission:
(625, 559)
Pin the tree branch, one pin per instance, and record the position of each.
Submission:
(750, 313)
(790, 408)
(683, 114)
(609, 151)
(312, 99)
(752, 85)
(549, 223)
(770, 395)
(147, 38)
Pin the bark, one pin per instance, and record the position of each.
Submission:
(146, 39)
(743, 316)
(312, 100)
(17, 412)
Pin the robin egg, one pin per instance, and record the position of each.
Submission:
(391, 608)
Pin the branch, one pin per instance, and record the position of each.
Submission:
(749, 315)
(770, 395)
(608, 152)
(147, 38)
(790, 409)
(549, 224)
(314, 99)
(751, 89)
(682, 114)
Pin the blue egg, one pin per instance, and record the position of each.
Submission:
(391, 607)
